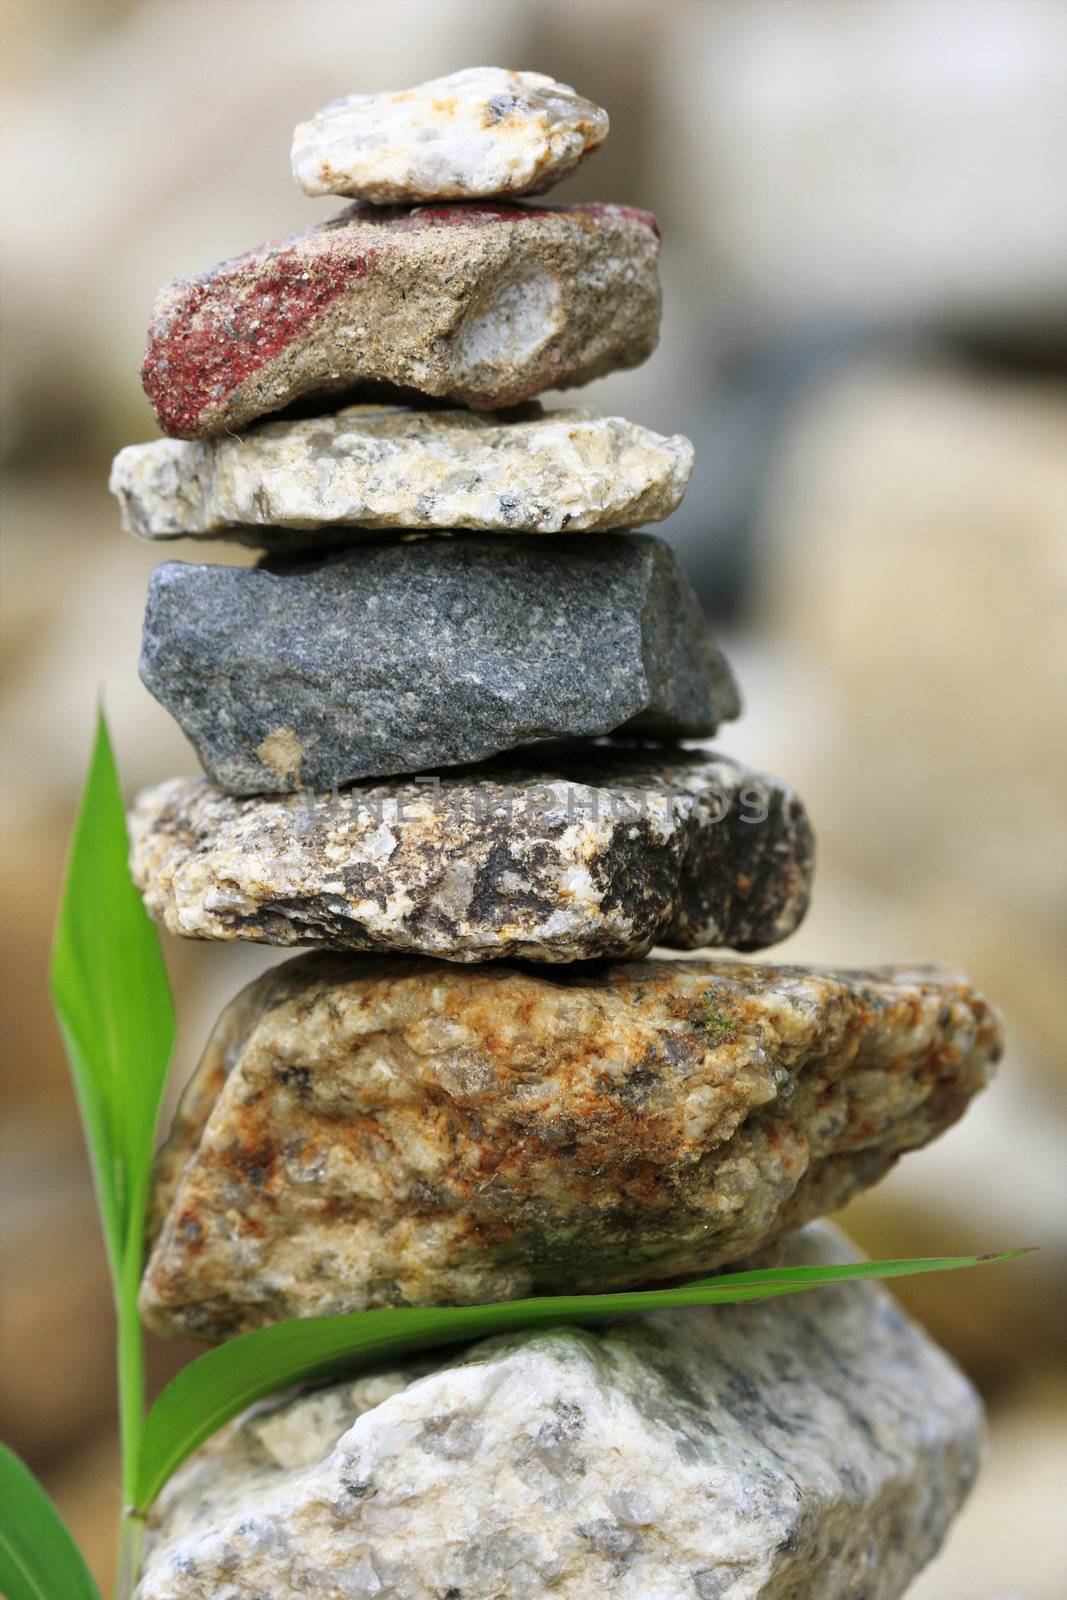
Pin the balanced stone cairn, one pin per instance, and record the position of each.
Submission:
(442, 726)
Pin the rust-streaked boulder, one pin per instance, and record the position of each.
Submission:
(475, 134)
(816, 1445)
(575, 852)
(485, 304)
(296, 483)
(368, 1132)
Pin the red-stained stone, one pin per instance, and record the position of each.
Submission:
(381, 295)
(206, 353)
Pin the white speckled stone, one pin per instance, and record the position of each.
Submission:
(578, 852)
(812, 1446)
(475, 134)
(568, 470)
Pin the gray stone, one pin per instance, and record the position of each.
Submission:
(403, 655)
(477, 133)
(485, 304)
(814, 1446)
(433, 1134)
(575, 852)
(532, 471)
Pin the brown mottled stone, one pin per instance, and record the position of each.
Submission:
(368, 1131)
(484, 304)
(579, 851)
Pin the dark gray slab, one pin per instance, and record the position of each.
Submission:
(410, 654)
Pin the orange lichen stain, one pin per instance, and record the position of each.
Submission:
(257, 1163)
(281, 753)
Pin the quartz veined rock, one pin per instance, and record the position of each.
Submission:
(372, 1131)
(570, 853)
(392, 467)
(475, 134)
(816, 1445)
(485, 304)
(405, 654)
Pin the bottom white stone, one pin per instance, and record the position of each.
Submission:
(814, 1445)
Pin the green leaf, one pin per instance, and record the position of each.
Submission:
(221, 1383)
(110, 991)
(38, 1558)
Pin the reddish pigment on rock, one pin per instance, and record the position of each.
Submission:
(226, 326)
(446, 214)
(479, 213)
(392, 294)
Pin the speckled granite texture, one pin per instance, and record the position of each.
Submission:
(365, 1132)
(567, 853)
(816, 1446)
(485, 304)
(409, 654)
(557, 471)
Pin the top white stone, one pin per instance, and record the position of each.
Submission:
(478, 133)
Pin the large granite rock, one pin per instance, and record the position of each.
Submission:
(571, 853)
(366, 1132)
(475, 134)
(392, 467)
(405, 654)
(813, 1446)
(485, 304)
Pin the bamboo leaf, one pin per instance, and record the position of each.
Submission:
(218, 1385)
(38, 1558)
(110, 991)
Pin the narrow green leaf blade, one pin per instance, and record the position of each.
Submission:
(38, 1558)
(110, 991)
(221, 1383)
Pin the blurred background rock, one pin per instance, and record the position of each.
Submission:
(865, 267)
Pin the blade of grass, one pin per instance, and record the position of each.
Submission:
(110, 991)
(111, 995)
(38, 1558)
(218, 1385)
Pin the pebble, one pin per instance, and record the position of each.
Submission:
(476, 134)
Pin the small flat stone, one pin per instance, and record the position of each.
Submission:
(485, 304)
(405, 654)
(817, 1445)
(372, 1131)
(476, 134)
(391, 467)
(576, 852)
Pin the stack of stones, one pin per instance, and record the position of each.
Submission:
(442, 725)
